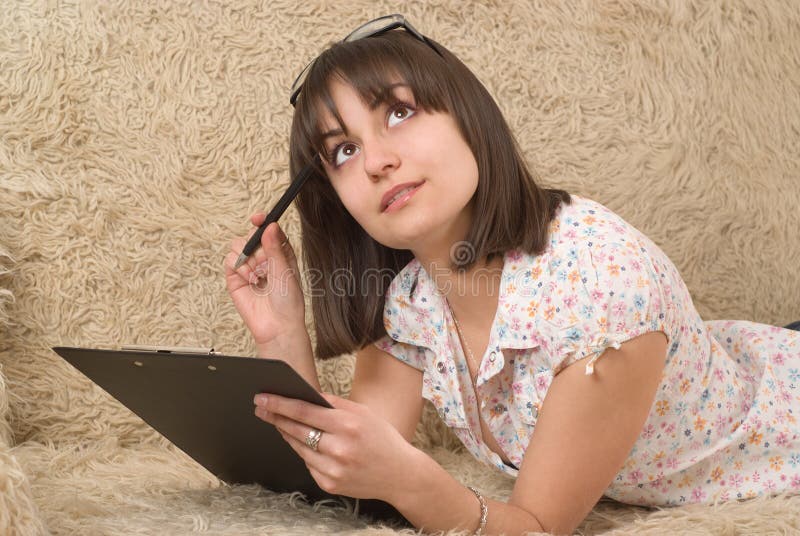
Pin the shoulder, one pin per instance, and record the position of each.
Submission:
(413, 316)
(411, 304)
(604, 246)
(599, 283)
(587, 223)
(588, 244)
(415, 356)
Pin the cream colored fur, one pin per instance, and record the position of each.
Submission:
(136, 138)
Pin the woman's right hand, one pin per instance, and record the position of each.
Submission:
(267, 294)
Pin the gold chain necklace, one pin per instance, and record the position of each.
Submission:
(465, 344)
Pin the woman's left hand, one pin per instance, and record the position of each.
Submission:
(358, 455)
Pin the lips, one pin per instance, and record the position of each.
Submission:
(398, 192)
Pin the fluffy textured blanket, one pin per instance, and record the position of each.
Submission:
(136, 137)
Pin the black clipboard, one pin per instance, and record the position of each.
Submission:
(202, 401)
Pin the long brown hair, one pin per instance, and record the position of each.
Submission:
(351, 270)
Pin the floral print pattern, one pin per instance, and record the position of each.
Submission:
(724, 422)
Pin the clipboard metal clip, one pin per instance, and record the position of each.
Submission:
(168, 349)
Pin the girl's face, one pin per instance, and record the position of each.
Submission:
(405, 175)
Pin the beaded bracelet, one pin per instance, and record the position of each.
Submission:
(484, 511)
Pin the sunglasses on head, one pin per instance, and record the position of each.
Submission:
(369, 29)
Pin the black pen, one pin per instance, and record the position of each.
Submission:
(278, 210)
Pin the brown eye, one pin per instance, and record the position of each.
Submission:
(343, 152)
(399, 113)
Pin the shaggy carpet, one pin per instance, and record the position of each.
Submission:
(136, 138)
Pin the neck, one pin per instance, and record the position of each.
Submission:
(472, 294)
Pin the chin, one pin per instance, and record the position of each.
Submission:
(392, 234)
(395, 244)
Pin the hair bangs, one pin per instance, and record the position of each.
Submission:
(372, 66)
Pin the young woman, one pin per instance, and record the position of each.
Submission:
(558, 342)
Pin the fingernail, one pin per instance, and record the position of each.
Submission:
(260, 400)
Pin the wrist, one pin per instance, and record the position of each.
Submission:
(484, 511)
(289, 345)
(295, 349)
(419, 494)
(410, 481)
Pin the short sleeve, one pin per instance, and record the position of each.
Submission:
(407, 353)
(617, 295)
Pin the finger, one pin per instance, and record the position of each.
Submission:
(320, 466)
(306, 413)
(282, 261)
(297, 431)
(229, 262)
(258, 218)
(257, 257)
(322, 480)
(288, 250)
(311, 456)
(315, 460)
(236, 247)
(246, 269)
(273, 261)
(251, 265)
(282, 424)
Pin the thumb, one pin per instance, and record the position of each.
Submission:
(288, 251)
(277, 247)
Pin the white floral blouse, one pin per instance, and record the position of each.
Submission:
(723, 424)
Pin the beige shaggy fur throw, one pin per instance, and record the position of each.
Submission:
(137, 136)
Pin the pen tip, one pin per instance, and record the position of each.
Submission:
(240, 261)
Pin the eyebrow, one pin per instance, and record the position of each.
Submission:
(332, 133)
(381, 98)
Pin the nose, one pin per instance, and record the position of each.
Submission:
(380, 158)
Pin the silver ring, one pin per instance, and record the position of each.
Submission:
(312, 439)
